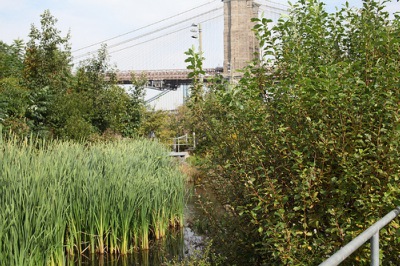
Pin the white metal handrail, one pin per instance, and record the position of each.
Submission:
(372, 234)
(184, 140)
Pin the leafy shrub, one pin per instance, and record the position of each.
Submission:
(306, 148)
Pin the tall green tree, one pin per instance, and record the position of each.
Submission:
(48, 58)
(136, 105)
(13, 96)
(47, 69)
(14, 102)
(98, 102)
(87, 91)
(11, 59)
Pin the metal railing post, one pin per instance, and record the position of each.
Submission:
(372, 234)
(184, 140)
(194, 140)
(375, 249)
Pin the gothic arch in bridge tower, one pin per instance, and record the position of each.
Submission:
(240, 42)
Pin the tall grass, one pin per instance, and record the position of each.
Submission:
(62, 198)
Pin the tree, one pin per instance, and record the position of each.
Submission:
(38, 91)
(137, 103)
(13, 96)
(11, 59)
(48, 59)
(13, 105)
(47, 69)
(99, 103)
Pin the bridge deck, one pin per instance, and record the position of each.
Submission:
(164, 75)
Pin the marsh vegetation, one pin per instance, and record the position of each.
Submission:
(67, 198)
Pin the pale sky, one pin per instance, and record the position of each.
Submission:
(92, 21)
(89, 21)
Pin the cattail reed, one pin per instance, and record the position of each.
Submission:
(62, 198)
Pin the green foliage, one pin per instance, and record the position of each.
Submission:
(13, 97)
(71, 116)
(46, 71)
(93, 83)
(113, 107)
(47, 59)
(95, 74)
(197, 105)
(305, 150)
(68, 198)
(136, 94)
(167, 125)
(181, 120)
(157, 122)
(98, 103)
(203, 257)
(77, 128)
(11, 59)
(195, 64)
(39, 93)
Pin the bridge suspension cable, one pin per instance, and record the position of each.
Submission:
(159, 37)
(162, 46)
(158, 96)
(152, 35)
(163, 28)
(274, 5)
(141, 28)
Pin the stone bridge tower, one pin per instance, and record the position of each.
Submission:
(240, 42)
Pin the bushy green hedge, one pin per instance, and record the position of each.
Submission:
(306, 146)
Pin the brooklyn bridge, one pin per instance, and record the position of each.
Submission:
(221, 31)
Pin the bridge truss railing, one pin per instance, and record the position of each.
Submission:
(166, 74)
(372, 234)
(186, 141)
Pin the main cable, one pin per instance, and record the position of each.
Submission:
(141, 28)
(268, 4)
(158, 37)
(163, 28)
(152, 32)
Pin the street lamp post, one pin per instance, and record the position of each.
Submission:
(199, 36)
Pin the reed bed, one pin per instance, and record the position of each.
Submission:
(62, 198)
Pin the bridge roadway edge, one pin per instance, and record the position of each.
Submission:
(165, 79)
